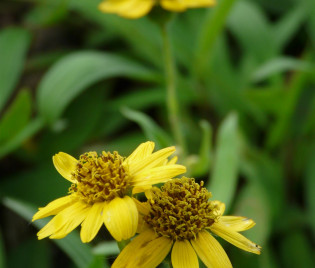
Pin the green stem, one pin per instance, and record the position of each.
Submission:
(122, 244)
(171, 97)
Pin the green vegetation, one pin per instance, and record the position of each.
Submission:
(73, 79)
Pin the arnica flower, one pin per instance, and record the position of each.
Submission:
(134, 9)
(101, 189)
(180, 218)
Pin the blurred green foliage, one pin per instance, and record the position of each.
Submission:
(73, 79)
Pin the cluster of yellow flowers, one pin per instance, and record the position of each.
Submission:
(133, 9)
(178, 217)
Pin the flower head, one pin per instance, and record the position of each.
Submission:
(101, 189)
(180, 218)
(134, 9)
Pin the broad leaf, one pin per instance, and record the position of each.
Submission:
(76, 72)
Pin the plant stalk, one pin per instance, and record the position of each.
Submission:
(171, 96)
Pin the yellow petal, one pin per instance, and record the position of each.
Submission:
(92, 222)
(131, 9)
(199, 3)
(151, 254)
(157, 175)
(180, 5)
(131, 251)
(142, 151)
(143, 207)
(148, 193)
(141, 189)
(72, 223)
(235, 238)
(53, 207)
(147, 163)
(183, 255)
(65, 221)
(172, 161)
(210, 251)
(237, 224)
(65, 165)
(120, 216)
(173, 5)
(220, 206)
(142, 225)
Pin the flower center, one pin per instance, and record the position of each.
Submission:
(100, 178)
(181, 209)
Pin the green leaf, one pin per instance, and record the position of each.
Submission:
(72, 134)
(23, 252)
(258, 167)
(255, 37)
(28, 131)
(268, 258)
(48, 184)
(138, 99)
(2, 253)
(124, 144)
(151, 130)
(311, 26)
(204, 158)
(290, 23)
(231, 82)
(278, 65)
(76, 72)
(47, 15)
(43, 60)
(106, 248)
(310, 188)
(211, 28)
(16, 117)
(142, 35)
(14, 43)
(221, 64)
(297, 250)
(80, 253)
(223, 180)
(280, 130)
(99, 262)
(253, 203)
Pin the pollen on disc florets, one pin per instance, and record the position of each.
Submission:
(100, 178)
(181, 209)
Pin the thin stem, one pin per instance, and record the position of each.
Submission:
(171, 97)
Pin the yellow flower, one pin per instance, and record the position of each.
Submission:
(180, 219)
(101, 185)
(134, 9)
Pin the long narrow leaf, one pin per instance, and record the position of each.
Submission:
(226, 161)
(150, 128)
(2, 254)
(290, 23)
(204, 158)
(16, 117)
(278, 65)
(255, 37)
(28, 131)
(80, 253)
(211, 28)
(14, 43)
